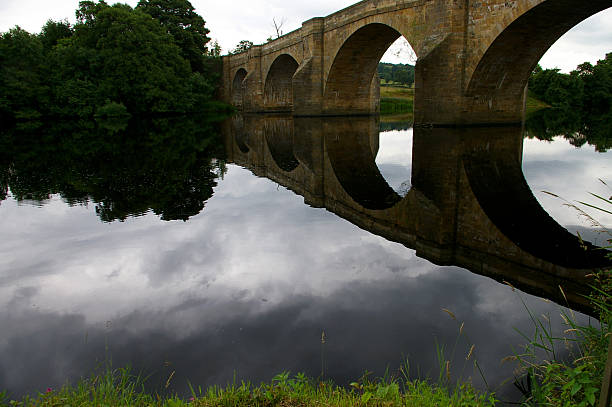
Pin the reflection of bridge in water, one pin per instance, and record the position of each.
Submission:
(469, 204)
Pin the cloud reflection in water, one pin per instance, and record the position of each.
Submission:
(245, 288)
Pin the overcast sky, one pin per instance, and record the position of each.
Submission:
(232, 21)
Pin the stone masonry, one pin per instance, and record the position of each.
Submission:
(474, 58)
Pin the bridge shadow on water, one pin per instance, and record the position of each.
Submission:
(469, 204)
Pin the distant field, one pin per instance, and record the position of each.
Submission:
(533, 104)
(399, 99)
(396, 92)
(396, 100)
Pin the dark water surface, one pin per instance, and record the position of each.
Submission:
(156, 246)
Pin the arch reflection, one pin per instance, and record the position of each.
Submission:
(469, 204)
(351, 149)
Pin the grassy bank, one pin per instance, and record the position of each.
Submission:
(121, 388)
(395, 106)
(550, 379)
(533, 104)
(395, 100)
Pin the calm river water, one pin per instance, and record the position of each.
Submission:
(160, 251)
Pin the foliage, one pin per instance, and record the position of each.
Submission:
(54, 31)
(550, 380)
(113, 53)
(112, 109)
(581, 104)
(185, 25)
(242, 46)
(555, 88)
(23, 90)
(396, 73)
(554, 379)
(215, 50)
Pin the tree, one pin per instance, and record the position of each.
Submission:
(557, 89)
(187, 27)
(582, 104)
(54, 31)
(23, 88)
(278, 26)
(215, 50)
(121, 55)
(242, 46)
(114, 57)
(400, 73)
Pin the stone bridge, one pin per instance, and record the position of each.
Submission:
(469, 204)
(474, 58)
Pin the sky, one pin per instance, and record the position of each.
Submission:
(236, 20)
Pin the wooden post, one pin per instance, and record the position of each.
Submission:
(605, 397)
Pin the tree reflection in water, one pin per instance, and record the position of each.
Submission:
(578, 128)
(165, 165)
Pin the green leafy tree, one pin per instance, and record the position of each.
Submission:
(187, 27)
(582, 104)
(215, 50)
(242, 46)
(113, 56)
(597, 86)
(121, 55)
(557, 89)
(23, 88)
(398, 73)
(54, 31)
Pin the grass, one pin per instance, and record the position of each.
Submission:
(575, 380)
(533, 104)
(396, 92)
(395, 106)
(396, 100)
(120, 388)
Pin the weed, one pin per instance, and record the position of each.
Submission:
(549, 380)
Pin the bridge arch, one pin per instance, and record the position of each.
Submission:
(351, 78)
(237, 88)
(501, 71)
(278, 88)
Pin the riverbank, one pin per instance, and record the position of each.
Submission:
(121, 388)
(396, 100)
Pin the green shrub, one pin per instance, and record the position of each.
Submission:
(112, 109)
